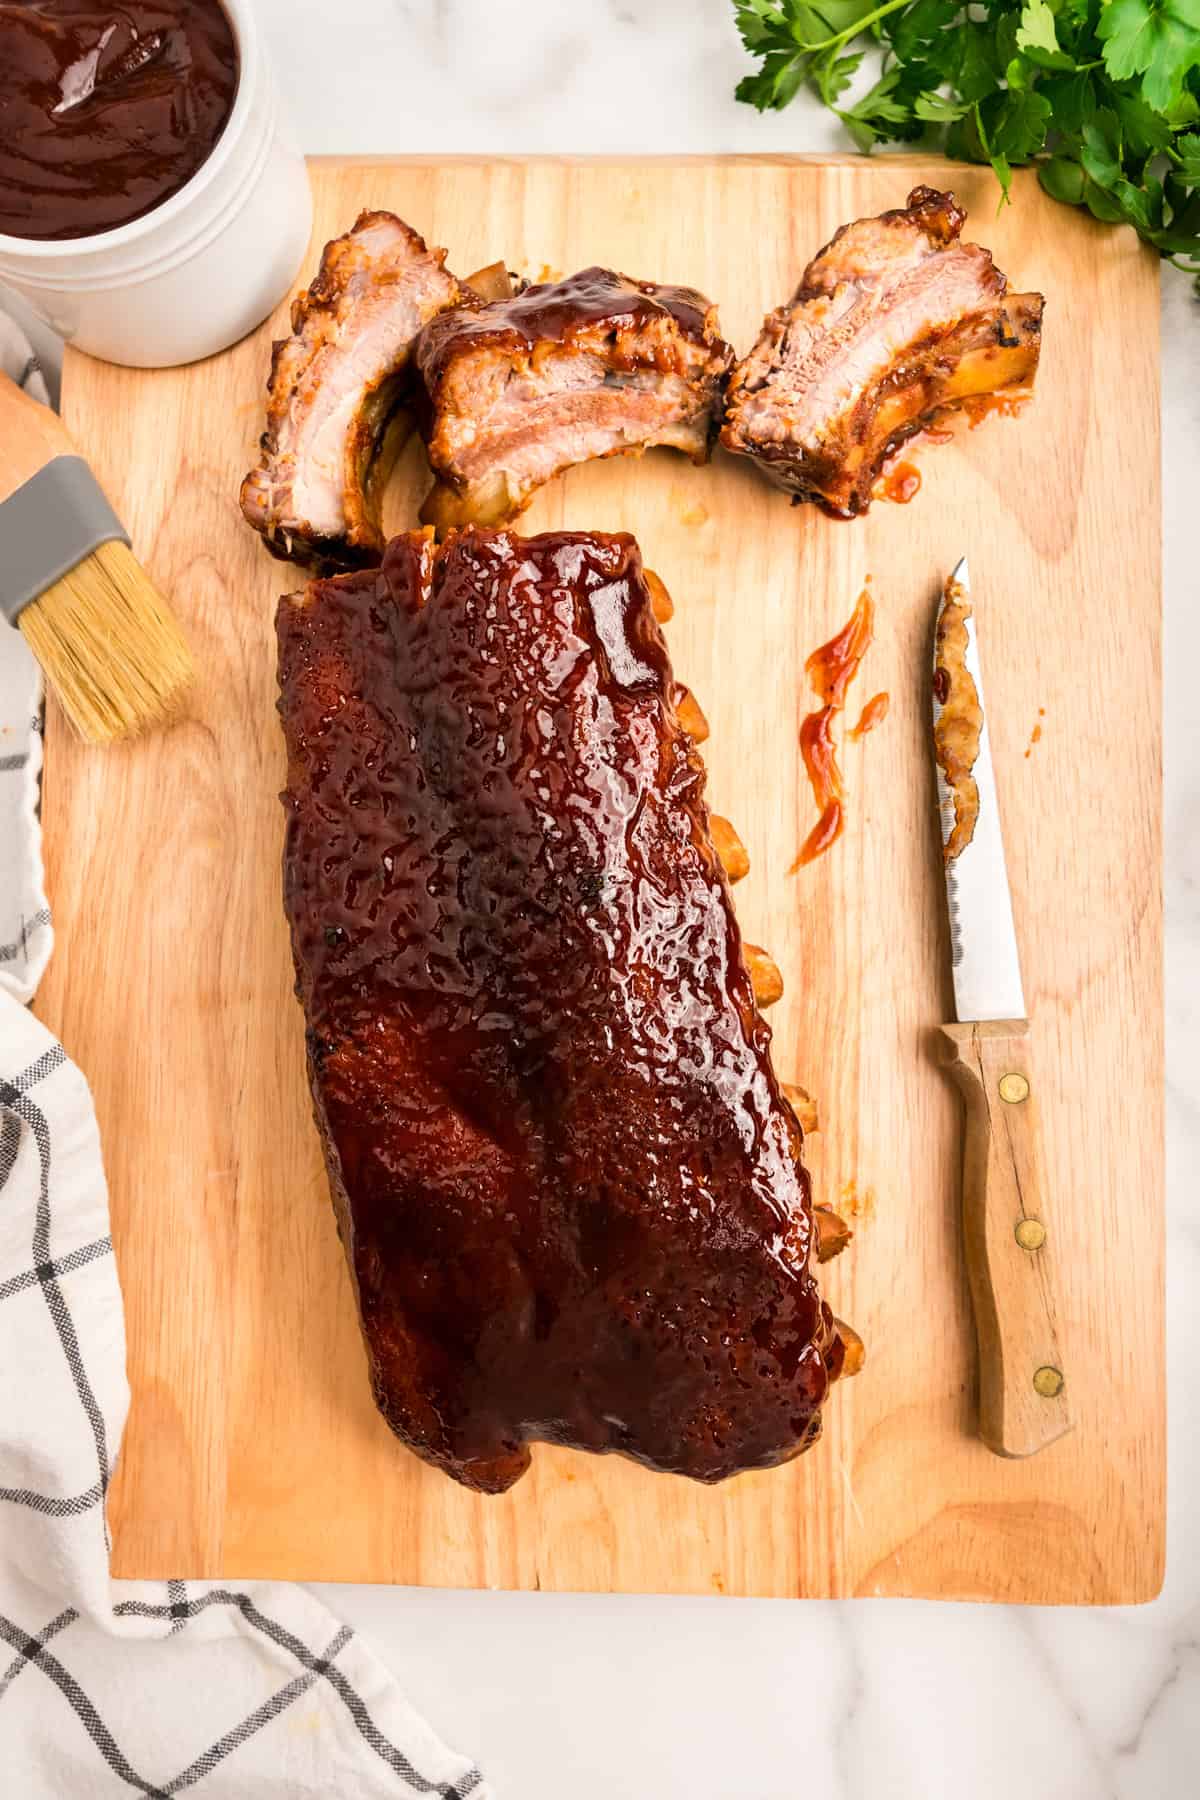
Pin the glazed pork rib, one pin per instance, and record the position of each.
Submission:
(569, 1189)
(334, 387)
(893, 323)
(521, 389)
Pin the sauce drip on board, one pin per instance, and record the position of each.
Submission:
(873, 714)
(900, 483)
(825, 779)
(106, 111)
(830, 671)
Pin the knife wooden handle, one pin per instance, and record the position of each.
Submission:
(1023, 1395)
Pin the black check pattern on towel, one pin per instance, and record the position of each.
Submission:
(17, 1109)
(19, 947)
(33, 1652)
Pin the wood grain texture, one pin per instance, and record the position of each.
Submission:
(30, 437)
(1009, 1241)
(253, 1447)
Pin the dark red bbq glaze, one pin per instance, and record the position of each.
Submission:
(560, 311)
(570, 1192)
(106, 110)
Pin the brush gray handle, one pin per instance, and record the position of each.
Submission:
(47, 527)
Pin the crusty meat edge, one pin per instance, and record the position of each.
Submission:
(361, 543)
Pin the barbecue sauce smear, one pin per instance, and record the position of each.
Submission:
(873, 714)
(900, 483)
(830, 671)
(106, 111)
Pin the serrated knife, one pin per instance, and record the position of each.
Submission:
(1024, 1397)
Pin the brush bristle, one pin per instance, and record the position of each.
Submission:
(109, 646)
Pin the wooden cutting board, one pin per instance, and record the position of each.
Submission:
(252, 1446)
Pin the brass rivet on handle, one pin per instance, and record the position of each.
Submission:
(1031, 1234)
(1013, 1088)
(1048, 1382)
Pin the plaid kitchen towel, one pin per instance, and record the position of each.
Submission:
(107, 1687)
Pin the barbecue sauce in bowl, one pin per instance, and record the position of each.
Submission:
(107, 110)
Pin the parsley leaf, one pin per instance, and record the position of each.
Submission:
(1157, 39)
(1019, 122)
(1062, 179)
(1037, 37)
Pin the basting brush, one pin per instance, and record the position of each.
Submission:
(107, 642)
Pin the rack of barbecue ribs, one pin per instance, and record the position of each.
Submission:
(334, 388)
(518, 390)
(895, 322)
(569, 1186)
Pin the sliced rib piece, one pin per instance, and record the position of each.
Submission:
(893, 323)
(521, 389)
(570, 1191)
(335, 385)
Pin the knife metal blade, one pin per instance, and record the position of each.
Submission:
(983, 940)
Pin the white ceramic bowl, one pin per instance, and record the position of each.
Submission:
(205, 267)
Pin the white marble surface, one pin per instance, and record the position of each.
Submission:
(624, 1698)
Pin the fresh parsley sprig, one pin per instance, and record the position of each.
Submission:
(1102, 95)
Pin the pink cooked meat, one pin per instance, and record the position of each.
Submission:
(894, 322)
(523, 388)
(334, 387)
